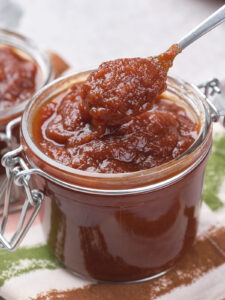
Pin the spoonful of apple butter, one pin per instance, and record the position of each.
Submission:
(123, 88)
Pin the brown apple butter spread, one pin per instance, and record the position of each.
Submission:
(63, 130)
(76, 128)
(18, 77)
(120, 234)
(126, 87)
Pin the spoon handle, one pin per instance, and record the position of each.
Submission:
(208, 24)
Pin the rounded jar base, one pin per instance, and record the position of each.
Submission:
(100, 281)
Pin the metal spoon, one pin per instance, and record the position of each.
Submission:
(133, 97)
(208, 24)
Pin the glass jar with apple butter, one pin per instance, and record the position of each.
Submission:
(121, 199)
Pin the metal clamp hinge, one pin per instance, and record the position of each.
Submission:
(18, 173)
(215, 99)
(7, 136)
(10, 142)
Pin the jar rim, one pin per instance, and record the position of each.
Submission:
(29, 47)
(28, 141)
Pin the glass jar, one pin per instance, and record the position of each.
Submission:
(10, 117)
(122, 227)
(28, 49)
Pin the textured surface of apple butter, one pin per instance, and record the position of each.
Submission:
(63, 130)
(123, 88)
(18, 77)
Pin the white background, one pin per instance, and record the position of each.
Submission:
(87, 32)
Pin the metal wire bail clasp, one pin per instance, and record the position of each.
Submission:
(7, 136)
(18, 173)
(215, 98)
(9, 141)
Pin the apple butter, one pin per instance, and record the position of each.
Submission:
(18, 77)
(126, 87)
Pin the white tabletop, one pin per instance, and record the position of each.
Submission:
(88, 32)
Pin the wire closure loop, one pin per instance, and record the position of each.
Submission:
(18, 173)
(215, 99)
(7, 136)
